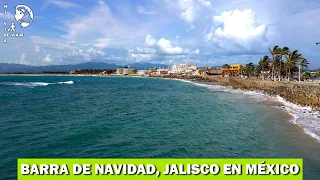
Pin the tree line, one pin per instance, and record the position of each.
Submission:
(94, 71)
(281, 64)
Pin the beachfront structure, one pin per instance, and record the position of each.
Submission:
(153, 71)
(125, 70)
(74, 71)
(182, 69)
(214, 71)
(162, 71)
(231, 70)
(142, 72)
(201, 71)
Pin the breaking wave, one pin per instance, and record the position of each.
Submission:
(304, 117)
(33, 84)
(66, 82)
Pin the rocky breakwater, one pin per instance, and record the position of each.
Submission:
(302, 94)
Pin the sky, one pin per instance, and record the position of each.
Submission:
(204, 32)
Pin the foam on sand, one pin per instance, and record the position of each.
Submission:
(304, 117)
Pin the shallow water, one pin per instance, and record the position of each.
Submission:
(142, 117)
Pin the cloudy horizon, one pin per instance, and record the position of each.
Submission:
(204, 32)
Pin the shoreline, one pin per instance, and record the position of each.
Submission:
(296, 113)
(304, 95)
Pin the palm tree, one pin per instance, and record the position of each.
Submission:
(264, 65)
(249, 69)
(292, 59)
(242, 69)
(306, 75)
(274, 51)
(283, 52)
(277, 64)
(225, 66)
(303, 63)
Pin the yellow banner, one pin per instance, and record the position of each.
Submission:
(233, 169)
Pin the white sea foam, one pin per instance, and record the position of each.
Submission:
(304, 117)
(33, 84)
(27, 84)
(66, 82)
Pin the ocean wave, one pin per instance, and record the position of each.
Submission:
(27, 84)
(304, 117)
(33, 84)
(66, 82)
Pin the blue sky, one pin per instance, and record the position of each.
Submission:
(205, 32)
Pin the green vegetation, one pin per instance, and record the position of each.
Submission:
(306, 75)
(248, 70)
(283, 63)
(294, 62)
(93, 71)
(225, 66)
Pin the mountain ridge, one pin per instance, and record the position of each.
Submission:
(11, 68)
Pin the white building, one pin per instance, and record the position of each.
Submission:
(142, 72)
(182, 69)
(162, 71)
(125, 70)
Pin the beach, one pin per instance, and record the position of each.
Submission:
(307, 118)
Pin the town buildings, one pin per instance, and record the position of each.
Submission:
(182, 69)
(126, 71)
(162, 71)
(143, 72)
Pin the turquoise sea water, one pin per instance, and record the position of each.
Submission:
(141, 117)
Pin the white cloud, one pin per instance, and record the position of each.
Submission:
(112, 57)
(23, 60)
(103, 42)
(166, 47)
(205, 3)
(191, 9)
(62, 4)
(150, 41)
(188, 51)
(87, 54)
(142, 54)
(37, 49)
(8, 15)
(238, 29)
(139, 50)
(140, 57)
(47, 59)
(101, 24)
(51, 43)
(189, 14)
(141, 10)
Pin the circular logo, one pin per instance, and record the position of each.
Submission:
(23, 15)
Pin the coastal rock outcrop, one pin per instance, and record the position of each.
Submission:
(302, 94)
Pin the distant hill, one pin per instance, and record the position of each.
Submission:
(11, 68)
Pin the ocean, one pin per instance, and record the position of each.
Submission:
(73, 116)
